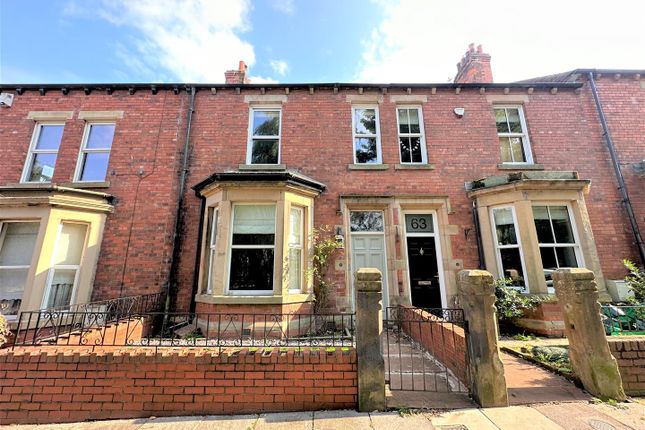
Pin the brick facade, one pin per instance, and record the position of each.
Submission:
(630, 354)
(49, 385)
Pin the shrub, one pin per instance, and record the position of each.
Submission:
(4, 330)
(325, 246)
(636, 282)
(511, 303)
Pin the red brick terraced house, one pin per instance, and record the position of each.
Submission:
(212, 191)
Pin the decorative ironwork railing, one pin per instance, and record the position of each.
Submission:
(411, 314)
(623, 320)
(159, 329)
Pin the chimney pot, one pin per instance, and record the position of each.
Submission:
(479, 49)
(471, 47)
(237, 76)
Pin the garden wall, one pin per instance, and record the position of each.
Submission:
(630, 354)
(54, 384)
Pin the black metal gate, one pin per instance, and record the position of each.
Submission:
(425, 349)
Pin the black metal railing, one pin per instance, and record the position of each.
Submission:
(623, 320)
(159, 329)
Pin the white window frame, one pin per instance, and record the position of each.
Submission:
(437, 244)
(251, 136)
(84, 149)
(2, 238)
(53, 267)
(498, 247)
(421, 135)
(379, 154)
(526, 143)
(31, 154)
(231, 247)
(300, 246)
(576, 246)
(211, 237)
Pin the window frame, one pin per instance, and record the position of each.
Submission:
(300, 246)
(421, 135)
(32, 152)
(53, 267)
(526, 142)
(251, 136)
(211, 247)
(377, 135)
(577, 246)
(230, 247)
(84, 150)
(498, 255)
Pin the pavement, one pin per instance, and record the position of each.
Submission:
(579, 415)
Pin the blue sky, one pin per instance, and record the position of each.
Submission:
(61, 41)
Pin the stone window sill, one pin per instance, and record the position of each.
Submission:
(262, 167)
(96, 184)
(253, 300)
(519, 166)
(368, 166)
(414, 166)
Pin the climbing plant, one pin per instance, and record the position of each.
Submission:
(325, 246)
(636, 282)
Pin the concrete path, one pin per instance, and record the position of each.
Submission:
(527, 384)
(569, 416)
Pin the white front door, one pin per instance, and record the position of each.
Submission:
(368, 250)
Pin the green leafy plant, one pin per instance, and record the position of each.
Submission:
(510, 303)
(4, 330)
(325, 247)
(636, 282)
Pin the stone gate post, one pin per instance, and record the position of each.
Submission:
(371, 368)
(589, 352)
(477, 296)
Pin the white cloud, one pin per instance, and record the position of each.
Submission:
(279, 66)
(284, 6)
(422, 41)
(262, 80)
(189, 41)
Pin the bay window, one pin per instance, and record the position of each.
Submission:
(296, 239)
(17, 241)
(211, 234)
(507, 246)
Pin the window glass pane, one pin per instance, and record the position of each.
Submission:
(42, 168)
(566, 256)
(365, 121)
(366, 151)
(517, 149)
(61, 287)
(100, 136)
(548, 258)
(561, 224)
(415, 147)
(251, 269)
(419, 223)
(69, 247)
(505, 148)
(414, 121)
(95, 165)
(213, 226)
(295, 227)
(504, 226)
(50, 137)
(250, 219)
(266, 123)
(12, 286)
(295, 268)
(18, 245)
(405, 143)
(542, 224)
(265, 151)
(512, 265)
(514, 120)
(404, 126)
(500, 120)
(366, 221)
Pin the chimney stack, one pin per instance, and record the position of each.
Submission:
(474, 67)
(237, 76)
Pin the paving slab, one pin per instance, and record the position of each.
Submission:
(228, 422)
(427, 400)
(342, 420)
(472, 419)
(392, 420)
(629, 414)
(171, 423)
(285, 421)
(519, 417)
(579, 416)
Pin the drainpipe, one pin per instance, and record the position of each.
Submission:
(478, 236)
(180, 201)
(622, 187)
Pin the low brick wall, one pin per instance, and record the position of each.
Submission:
(445, 341)
(630, 354)
(54, 384)
(546, 320)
